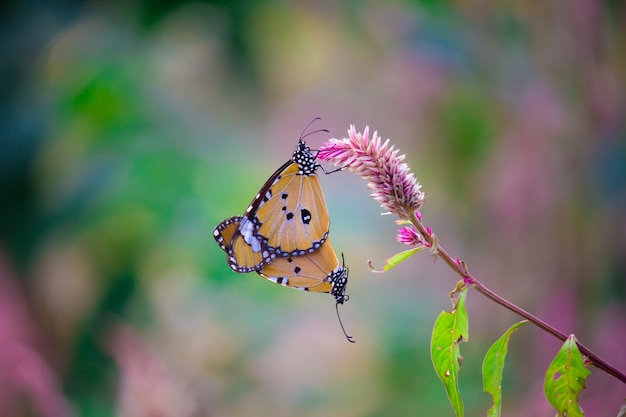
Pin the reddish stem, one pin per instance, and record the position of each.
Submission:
(470, 280)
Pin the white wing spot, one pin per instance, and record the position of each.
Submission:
(246, 228)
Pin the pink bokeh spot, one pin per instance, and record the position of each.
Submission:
(24, 373)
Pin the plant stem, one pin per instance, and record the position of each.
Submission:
(470, 280)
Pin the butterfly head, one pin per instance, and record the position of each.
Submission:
(303, 156)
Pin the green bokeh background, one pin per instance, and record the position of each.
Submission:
(130, 129)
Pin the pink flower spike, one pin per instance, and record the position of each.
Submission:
(409, 236)
(429, 231)
(392, 183)
(418, 214)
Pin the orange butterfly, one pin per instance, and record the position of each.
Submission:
(287, 217)
(317, 271)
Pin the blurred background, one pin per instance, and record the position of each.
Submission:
(130, 129)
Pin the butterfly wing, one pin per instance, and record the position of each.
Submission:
(287, 217)
(247, 252)
(318, 271)
(224, 232)
(294, 220)
(229, 238)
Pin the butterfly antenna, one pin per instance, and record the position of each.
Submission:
(341, 324)
(303, 135)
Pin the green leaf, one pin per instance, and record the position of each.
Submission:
(493, 364)
(451, 328)
(396, 260)
(565, 379)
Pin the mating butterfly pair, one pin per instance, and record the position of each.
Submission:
(283, 235)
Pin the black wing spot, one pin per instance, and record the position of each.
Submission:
(284, 196)
(297, 269)
(289, 216)
(306, 216)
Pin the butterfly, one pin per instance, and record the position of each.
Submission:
(317, 271)
(288, 217)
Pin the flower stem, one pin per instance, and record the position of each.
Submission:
(470, 280)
